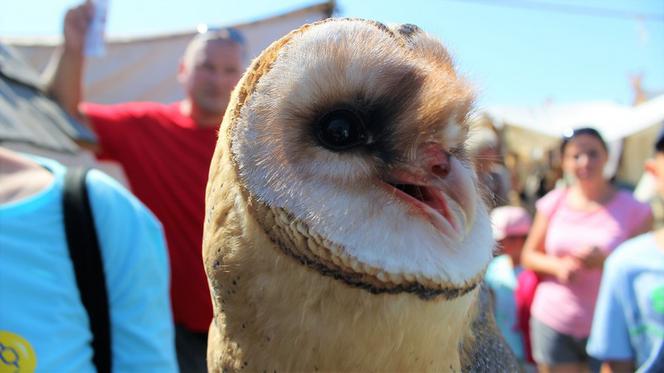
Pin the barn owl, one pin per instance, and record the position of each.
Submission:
(345, 230)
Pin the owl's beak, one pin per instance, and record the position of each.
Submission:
(421, 182)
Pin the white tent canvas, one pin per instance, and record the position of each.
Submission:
(144, 69)
(614, 121)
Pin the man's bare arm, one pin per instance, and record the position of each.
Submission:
(617, 366)
(65, 73)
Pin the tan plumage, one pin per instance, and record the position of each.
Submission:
(316, 258)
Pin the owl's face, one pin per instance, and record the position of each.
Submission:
(356, 134)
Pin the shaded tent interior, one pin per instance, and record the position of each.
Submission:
(28, 115)
(32, 123)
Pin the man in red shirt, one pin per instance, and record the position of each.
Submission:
(165, 151)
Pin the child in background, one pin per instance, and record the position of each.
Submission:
(510, 229)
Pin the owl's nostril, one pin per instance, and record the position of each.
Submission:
(435, 160)
(441, 170)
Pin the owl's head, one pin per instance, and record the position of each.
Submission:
(349, 141)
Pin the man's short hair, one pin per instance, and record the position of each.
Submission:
(217, 34)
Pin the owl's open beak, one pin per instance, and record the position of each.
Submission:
(420, 183)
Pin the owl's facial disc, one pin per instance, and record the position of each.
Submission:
(351, 145)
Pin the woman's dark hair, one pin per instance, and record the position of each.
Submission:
(659, 144)
(572, 134)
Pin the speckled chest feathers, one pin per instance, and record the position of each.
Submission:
(345, 228)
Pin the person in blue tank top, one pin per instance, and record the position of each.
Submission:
(628, 325)
(44, 326)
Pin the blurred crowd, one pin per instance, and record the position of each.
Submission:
(578, 277)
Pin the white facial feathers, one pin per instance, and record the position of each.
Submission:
(405, 98)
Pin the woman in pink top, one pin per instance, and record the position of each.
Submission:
(574, 230)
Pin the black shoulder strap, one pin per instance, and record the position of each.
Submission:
(88, 266)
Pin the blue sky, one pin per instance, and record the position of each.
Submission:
(516, 52)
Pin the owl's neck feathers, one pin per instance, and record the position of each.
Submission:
(281, 315)
(297, 240)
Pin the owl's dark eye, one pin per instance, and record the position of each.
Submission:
(341, 130)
